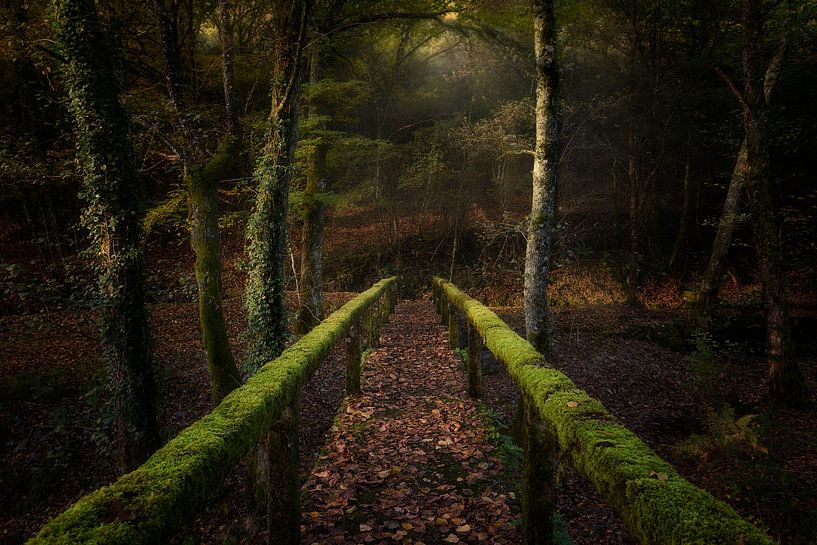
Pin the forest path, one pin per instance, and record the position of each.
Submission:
(410, 459)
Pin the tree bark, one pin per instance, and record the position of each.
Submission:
(723, 239)
(202, 175)
(634, 255)
(786, 382)
(225, 33)
(311, 287)
(726, 225)
(205, 239)
(540, 229)
(683, 224)
(267, 228)
(115, 207)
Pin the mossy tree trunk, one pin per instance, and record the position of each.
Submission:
(540, 230)
(311, 287)
(267, 228)
(115, 207)
(786, 382)
(202, 176)
(202, 189)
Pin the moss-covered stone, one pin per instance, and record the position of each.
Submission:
(150, 503)
(657, 505)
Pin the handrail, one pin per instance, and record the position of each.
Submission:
(657, 505)
(150, 503)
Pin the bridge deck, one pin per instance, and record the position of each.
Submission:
(410, 460)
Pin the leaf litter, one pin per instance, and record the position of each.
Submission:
(409, 459)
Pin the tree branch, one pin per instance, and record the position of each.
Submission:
(732, 87)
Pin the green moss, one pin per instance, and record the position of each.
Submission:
(150, 503)
(657, 504)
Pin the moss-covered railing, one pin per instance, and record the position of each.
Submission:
(562, 422)
(152, 502)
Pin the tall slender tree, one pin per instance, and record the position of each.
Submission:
(115, 206)
(710, 282)
(543, 206)
(202, 173)
(267, 228)
(310, 296)
(786, 382)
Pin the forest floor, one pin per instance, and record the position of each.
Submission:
(54, 427)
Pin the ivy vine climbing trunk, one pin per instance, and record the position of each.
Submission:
(786, 382)
(113, 215)
(267, 228)
(540, 230)
(201, 178)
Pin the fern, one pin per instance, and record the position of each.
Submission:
(726, 436)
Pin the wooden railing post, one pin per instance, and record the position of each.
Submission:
(474, 362)
(444, 307)
(462, 330)
(374, 310)
(453, 326)
(353, 359)
(392, 297)
(538, 478)
(283, 483)
(457, 328)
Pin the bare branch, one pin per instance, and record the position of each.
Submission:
(732, 87)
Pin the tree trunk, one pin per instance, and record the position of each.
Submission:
(267, 228)
(723, 239)
(311, 288)
(786, 382)
(726, 226)
(202, 177)
(634, 255)
(683, 224)
(226, 35)
(205, 239)
(540, 229)
(113, 215)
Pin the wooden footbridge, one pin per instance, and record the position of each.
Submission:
(562, 424)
